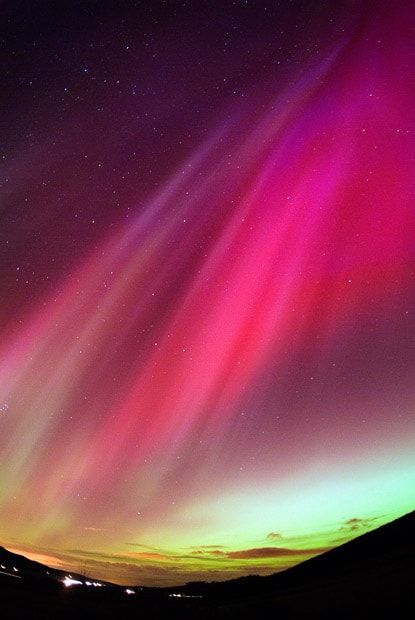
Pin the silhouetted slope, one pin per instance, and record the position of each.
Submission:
(372, 574)
(392, 544)
(25, 568)
(29, 569)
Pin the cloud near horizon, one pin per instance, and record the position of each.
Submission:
(272, 552)
(356, 523)
(261, 552)
(167, 568)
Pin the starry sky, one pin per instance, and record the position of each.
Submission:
(207, 317)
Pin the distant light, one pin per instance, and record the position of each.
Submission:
(16, 570)
(68, 581)
(97, 584)
(186, 595)
(9, 574)
(128, 591)
(3, 567)
(88, 583)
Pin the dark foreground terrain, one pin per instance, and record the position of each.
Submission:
(373, 576)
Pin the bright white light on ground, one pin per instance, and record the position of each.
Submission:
(186, 595)
(128, 591)
(68, 581)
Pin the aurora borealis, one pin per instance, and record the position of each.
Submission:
(207, 327)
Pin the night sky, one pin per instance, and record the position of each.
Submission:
(207, 317)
